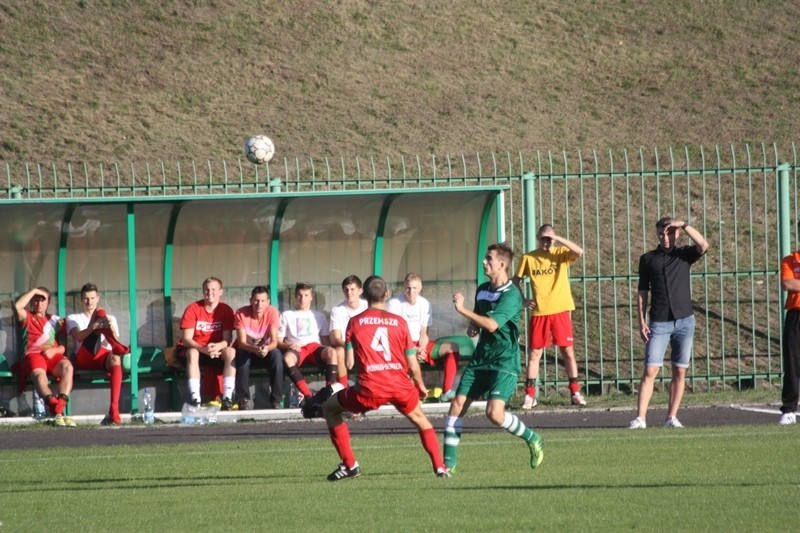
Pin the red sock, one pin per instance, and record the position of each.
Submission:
(343, 380)
(116, 388)
(530, 391)
(431, 445)
(340, 437)
(302, 386)
(450, 368)
(574, 387)
(117, 348)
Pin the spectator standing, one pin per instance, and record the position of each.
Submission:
(665, 272)
(790, 280)
(547, 268)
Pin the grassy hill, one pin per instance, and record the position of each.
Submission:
(121, 80)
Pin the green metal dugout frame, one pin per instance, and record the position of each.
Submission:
(478, 226)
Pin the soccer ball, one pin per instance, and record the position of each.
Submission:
(259, 149)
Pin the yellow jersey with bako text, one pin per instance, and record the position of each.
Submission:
(548, 272)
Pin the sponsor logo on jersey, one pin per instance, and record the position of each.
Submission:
(543, 272)
(208, 326)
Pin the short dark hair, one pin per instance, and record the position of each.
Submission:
(504, 251)
(302, 286)
(89, 287)
(374, 289)
(542, 228)
(352, 280)
(663, 222)
(260, 289)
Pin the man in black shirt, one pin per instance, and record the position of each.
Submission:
(664, 272)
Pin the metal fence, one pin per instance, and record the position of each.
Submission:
(742, 199)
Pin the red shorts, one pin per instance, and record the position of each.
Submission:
(33, 361)
(310, 353)
(86, 360)
(551, 329)
(428, 350)
(404, 401)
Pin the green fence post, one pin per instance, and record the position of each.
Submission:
(784, 223)
(132, 307)
(529, 210)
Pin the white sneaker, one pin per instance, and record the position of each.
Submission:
(529, 403)
(637, 423)
(578, 399)
(787, 419)
(672, 422)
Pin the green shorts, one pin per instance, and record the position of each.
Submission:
(492, 384)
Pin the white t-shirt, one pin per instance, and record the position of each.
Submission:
(341, 315)
(302, 327)
(81, 321)
(417, 315)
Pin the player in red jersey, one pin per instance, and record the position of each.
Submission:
(379, 344)
(44, 354)
(206, 339)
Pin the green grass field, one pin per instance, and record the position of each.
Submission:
(721, 478)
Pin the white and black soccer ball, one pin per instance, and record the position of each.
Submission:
(259, 149)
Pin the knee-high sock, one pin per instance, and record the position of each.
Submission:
(116, 388)
(450, 365)
(452, 436)
(299, 381)
(340, 437)
(228, 384)
(431, 445)
(117, 348)
(516, 427)
(194, 388)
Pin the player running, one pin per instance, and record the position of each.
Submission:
(380, 345)
(494, 367)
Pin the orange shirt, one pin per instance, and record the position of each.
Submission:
(790, 269)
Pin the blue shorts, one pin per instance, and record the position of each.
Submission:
(679, 334)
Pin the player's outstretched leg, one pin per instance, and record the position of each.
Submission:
(516, 427)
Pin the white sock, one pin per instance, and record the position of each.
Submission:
(228, 384)
(194, 388)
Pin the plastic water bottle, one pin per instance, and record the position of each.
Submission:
(148, 408)
(188, 414)
(39, 412)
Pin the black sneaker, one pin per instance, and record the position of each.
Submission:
(344, 473)
(227, 404)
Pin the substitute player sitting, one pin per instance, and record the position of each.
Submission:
(416, 310)
(43, 353)
(303, 338)
(379, 344)
(96, 347)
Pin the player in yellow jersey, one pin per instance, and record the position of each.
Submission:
(547, 268)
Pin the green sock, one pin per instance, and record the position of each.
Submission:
(452, 436)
